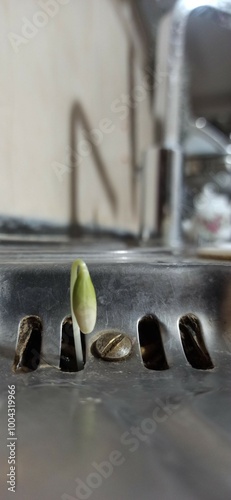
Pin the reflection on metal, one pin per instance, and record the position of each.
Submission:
(172, 424)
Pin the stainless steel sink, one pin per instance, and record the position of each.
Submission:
(169, 422)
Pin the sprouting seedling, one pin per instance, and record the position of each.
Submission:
(83, 298)
(83, 305)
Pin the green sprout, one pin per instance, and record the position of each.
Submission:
(83, 304)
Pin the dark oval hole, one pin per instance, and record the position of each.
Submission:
(193, 342)
(68, 361)
(28, 349)
(151, 345)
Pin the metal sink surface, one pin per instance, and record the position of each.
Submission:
(117, 430)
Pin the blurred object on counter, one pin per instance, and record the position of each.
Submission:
(211, 221)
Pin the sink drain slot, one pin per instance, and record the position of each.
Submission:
(28, 349)
(68, 362)
(151, 345)
(193, 342)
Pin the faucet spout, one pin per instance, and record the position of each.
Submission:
(170, 62)
(167, 155)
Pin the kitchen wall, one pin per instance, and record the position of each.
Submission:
(70, 141)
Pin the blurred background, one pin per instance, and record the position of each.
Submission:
(78, 80)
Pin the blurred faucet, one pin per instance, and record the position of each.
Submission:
(166, 156)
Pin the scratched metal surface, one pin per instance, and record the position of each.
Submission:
(68, 424)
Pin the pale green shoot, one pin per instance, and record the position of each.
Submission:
(83, 304)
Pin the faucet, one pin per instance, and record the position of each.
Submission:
(166, 155)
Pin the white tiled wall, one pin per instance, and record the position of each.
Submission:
(71, 61)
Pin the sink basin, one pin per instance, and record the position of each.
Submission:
(128, 428)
